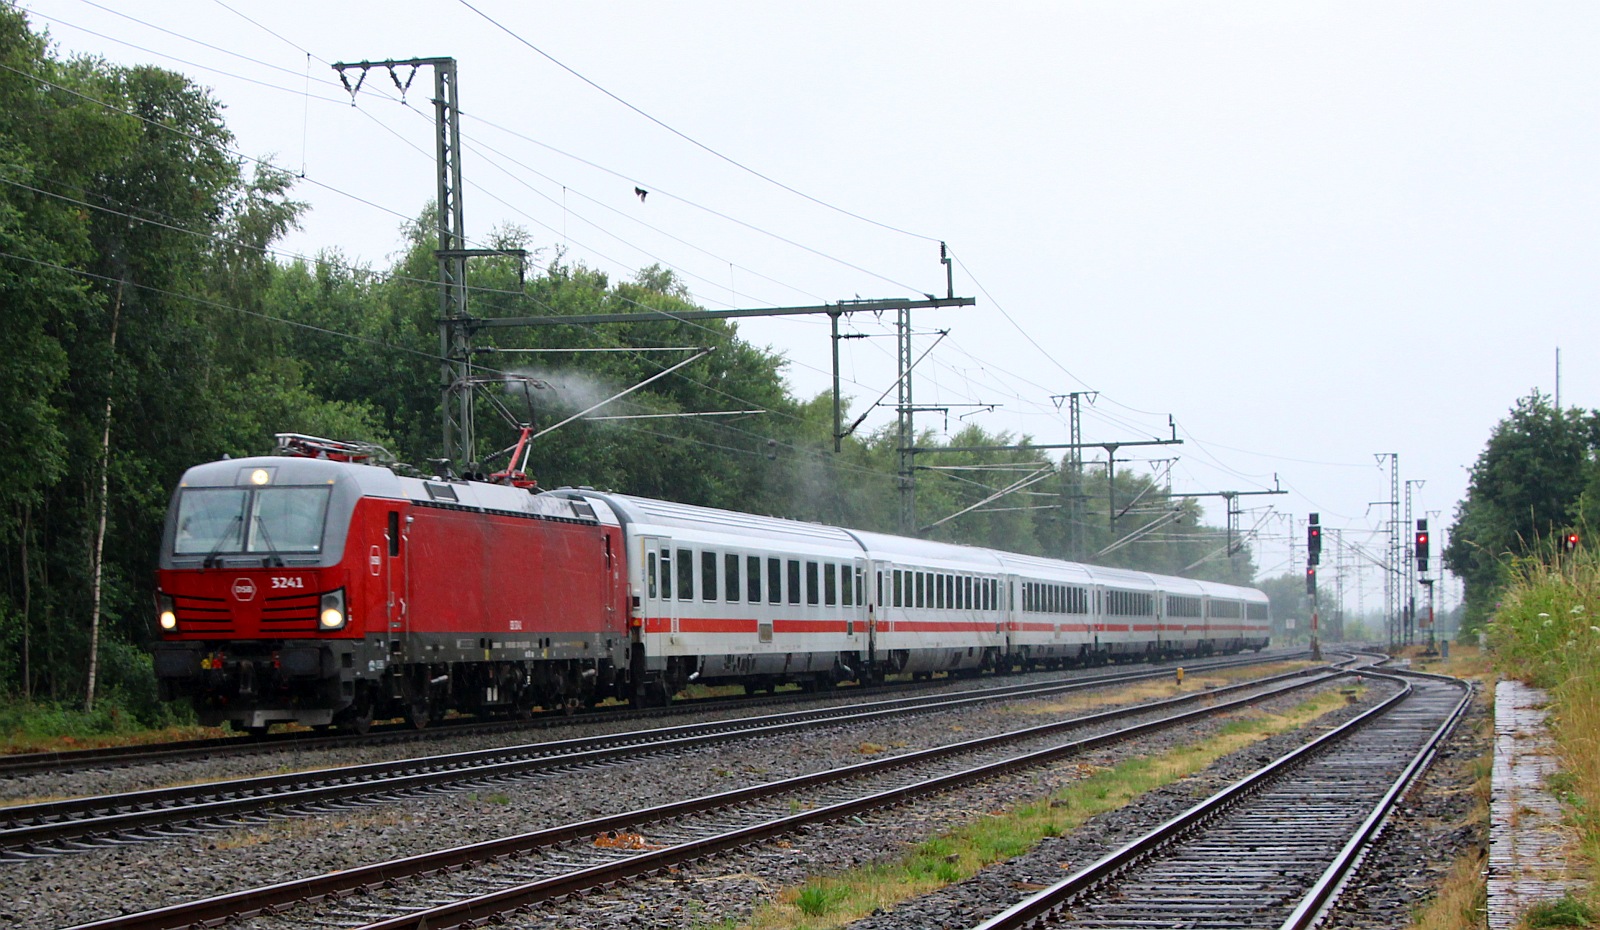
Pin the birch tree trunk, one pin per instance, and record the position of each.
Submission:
(27, 605)
(100, 533)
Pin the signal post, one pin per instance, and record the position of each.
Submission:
(1313, 557)
(1421, 552)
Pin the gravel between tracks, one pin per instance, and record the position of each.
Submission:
(725, 890)
(107, 882)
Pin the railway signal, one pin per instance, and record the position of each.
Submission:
(1314, 540)
(1571, 541)
(1422, 546)
(1311, 581)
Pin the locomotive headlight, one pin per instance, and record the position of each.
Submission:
(165, 615)
(332, 616)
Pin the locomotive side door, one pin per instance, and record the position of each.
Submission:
(394, 562)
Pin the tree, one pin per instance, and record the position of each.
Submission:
(1527, 486)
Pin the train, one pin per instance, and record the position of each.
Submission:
(318, 587)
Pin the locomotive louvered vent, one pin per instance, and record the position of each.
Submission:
(440, 492)
(290, 612)
(201, 610)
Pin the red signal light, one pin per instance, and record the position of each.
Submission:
(1572, 541)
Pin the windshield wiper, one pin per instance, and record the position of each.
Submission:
(212, 560)
(273, 559)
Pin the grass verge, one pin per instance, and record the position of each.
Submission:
(44, 727)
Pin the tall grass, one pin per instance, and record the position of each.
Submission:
(1546, 632)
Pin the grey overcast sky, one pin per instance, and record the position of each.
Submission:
(1310, 232)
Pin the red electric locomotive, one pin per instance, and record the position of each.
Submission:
(313, 587)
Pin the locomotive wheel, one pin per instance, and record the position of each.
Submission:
(359, 719)
(417, 714)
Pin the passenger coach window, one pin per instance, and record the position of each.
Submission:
(650, 574)
(830, 585)
(685, 574)
(666, 574)
(811, 583)
(752, 579)
(861, 588)
(846, 595)
(898, 586)
(708, 576)
(920, 589)
(730, 578)
(794, 581)
(774, 581)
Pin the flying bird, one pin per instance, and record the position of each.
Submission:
(642, 193)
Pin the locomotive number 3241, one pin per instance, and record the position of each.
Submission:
(280, 582)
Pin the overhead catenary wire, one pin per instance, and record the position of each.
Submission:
(687, 138)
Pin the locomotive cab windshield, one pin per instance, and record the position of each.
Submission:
(250, 521)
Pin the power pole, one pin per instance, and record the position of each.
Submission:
(1409, 575)
(1336, 628)
(1391, 598)
(905, 425)
(1072, 474)
(455, 337)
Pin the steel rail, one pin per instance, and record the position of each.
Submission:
(274, 899)
(1324, 892)
(44, 828)
(14, 765)
(1038, 909)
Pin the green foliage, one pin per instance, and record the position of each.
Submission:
(1529, 484)
(815, 900)
(1547, 627)
(1565, 911)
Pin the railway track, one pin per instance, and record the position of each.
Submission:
(75, 824)
(1271, 850)
(16, 765)
(473, 884)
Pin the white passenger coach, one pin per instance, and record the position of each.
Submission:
(724, 596)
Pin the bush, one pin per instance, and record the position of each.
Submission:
(128, 681)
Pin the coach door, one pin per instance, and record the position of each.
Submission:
(660, 604)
